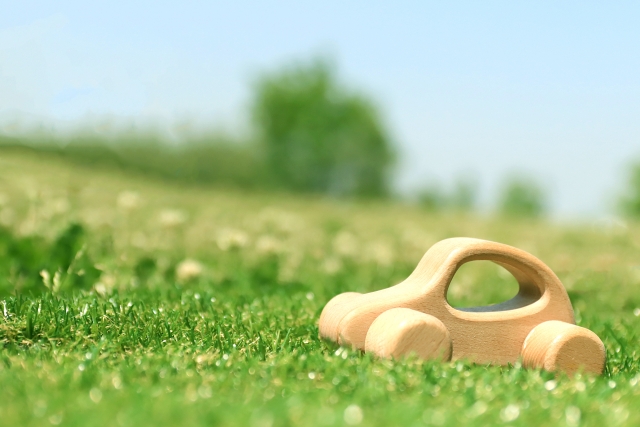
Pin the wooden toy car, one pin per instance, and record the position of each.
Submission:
(536, 325)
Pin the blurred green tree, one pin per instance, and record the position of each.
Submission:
(461, 198)
(319, 137)
(630, 201)
(522, 197)
(432, 198)
(464, 195)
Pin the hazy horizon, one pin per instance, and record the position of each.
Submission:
(484, 90)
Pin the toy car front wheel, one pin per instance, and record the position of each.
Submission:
(400, 331)
(561, 346)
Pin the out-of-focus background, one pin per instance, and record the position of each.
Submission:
(498, 106)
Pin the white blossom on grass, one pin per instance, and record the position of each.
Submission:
(60, 206)
(510, 413)
(189, 269)
(268, 245)
(380, 253)
(231, 238)
(282, 221)
(345, 244)
(128, 200)
(170, 218)
(332, 265)
(353, 415)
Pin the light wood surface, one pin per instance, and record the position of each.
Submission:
(399, 331)
(560, 346)
(491, 334)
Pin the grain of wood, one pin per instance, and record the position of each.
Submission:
(402, 331)
(560, 346)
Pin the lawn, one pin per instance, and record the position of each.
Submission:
(127, 301)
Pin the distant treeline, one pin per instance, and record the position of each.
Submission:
(219, 160)
(206, 160)
(309, 134)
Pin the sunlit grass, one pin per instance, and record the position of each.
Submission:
(205, 307)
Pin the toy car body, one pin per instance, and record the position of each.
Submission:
(536, 325)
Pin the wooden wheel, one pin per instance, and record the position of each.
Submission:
(402, 331)
(560, 346)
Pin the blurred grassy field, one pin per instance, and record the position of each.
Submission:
(205, 304)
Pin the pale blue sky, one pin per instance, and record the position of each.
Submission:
(483, 88)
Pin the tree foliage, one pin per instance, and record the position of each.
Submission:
(319, 137)
(522, 197)
(630, 202)
(461, 198)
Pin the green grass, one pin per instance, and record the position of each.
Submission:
(175, 305)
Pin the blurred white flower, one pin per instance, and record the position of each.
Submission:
(289, 268)
(345, 244)
(380, 253)
(95, 395)
(510, 413)
(170, 218)
(105, 285)
(128, 200)
(416, 239)
(188, 269)
(139, 240)
(283, 221)
(54, 207)
(353, 415)
(231, 238)
(572, 414)
(7, 216)
(332, 265)
(31, 191)
(268, 245)
(478, 408)
(100, 289)
(60, 206)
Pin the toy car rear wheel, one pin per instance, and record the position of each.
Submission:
(561, 346)
(401, 331)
